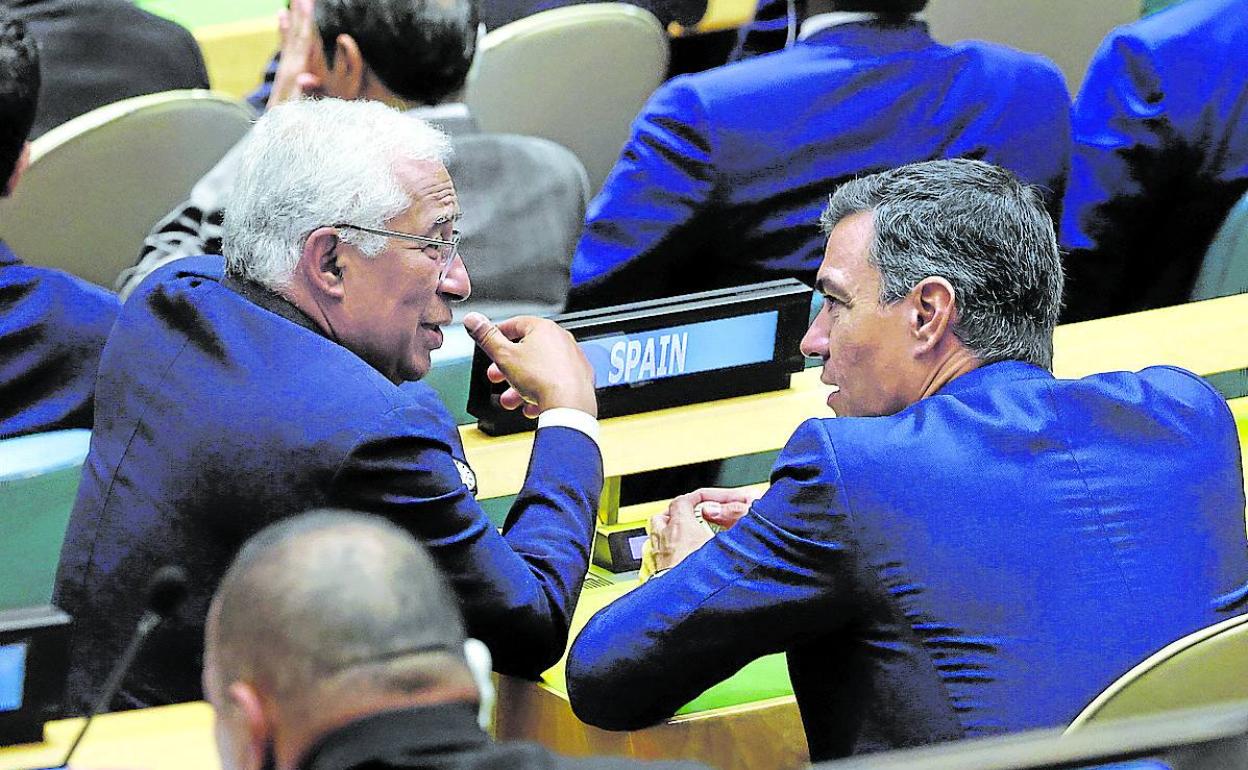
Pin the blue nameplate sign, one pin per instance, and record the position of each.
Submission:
(667, 352)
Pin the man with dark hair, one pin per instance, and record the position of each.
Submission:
(523, 197)
(96, 52)
(1160, 157)
(971, 546)
(367, 667)
(52, 325)
(726, 170)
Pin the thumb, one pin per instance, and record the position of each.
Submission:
(485, 333)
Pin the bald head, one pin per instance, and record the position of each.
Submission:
(334, 602)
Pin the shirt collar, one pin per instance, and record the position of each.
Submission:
(451, 117)
(396, 735)
(820, 22)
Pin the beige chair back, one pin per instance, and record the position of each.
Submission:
(576, 75)
(1201, 669)
(98, 183)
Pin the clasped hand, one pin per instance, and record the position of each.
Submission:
(682, 528)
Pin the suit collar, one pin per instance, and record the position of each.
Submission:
(389, 737)
(994, 375)
(271, 301)
(7, 257)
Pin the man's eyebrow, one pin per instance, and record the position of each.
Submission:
(825, 286)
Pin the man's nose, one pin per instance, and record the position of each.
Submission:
(815, 340)
(456, 286)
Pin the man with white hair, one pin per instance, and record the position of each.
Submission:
(230, 397)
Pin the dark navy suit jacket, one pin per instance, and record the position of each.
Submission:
(52, 329)
(1160, 156)
(218, 415)
(727, 171)
(987, 560)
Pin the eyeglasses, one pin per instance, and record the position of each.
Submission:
(442, 252)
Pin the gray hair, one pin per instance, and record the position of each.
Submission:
(979, 228)
(316, 162)
(332, 598)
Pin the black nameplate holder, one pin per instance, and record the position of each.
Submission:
(662, 353)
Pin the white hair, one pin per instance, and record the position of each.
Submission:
(316, 162)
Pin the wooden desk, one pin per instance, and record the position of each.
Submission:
(642, 442)
(168, 738)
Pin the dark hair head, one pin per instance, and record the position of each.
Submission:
(420, 49)
(330, 596)
(976, 226)
(885, 7)
(19, 90)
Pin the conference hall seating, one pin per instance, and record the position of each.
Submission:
(98, 183)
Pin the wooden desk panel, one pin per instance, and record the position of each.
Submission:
(167, 738)
(663, 439)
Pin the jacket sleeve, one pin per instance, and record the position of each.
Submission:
(517, 590)
(781, 575)
(1122, 129)
(1032, 135)
(645, 219)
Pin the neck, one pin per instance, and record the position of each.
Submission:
(299, 296)
(950, 366)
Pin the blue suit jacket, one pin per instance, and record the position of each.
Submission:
(987, 560)
(52, 329)
(218, 414)
(1160, 156)
(727, 171)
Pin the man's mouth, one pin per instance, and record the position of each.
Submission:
(434, 331)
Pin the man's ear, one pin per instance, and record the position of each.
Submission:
(934, 312)
(319, 262)
(259, 724)
(19, 168)
(348, 72)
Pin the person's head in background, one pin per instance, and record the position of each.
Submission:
(931, 270)
(404, 52)
(19, 94)
(322, 620)
(889, 10)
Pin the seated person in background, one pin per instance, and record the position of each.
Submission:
(971, 546)
(727, 169)
(52, 325)
(367, 669)
(1160, 156)
(227, 401)
(96, 52)
(524, 197)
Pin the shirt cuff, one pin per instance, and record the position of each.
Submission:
(567, 417)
